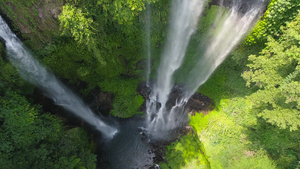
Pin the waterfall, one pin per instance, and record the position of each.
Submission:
(183, 24)
(230, 26)
(184, 20)
(32, 71)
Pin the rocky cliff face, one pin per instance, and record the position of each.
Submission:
(34, 21)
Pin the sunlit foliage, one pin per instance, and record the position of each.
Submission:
(224, 142)
(276, 72)
(279, 12)
(77, 23)
(242, 132)
(74, 20)
(185, 153)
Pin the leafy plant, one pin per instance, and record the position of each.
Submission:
(31, 139)
(184, 154)
(80, 26)
(276, 72)
(279, 12)
(127, 102)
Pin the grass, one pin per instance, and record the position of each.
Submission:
(185, 154)
(223, 138)
(222, 134)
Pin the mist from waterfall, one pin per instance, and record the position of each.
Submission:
(184, 20)
(230, 26)
(32, 71)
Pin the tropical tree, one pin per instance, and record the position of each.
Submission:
(31, 139)
(276, 73)
(279, 12)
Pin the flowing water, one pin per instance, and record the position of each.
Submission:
(32, 71)
(184, 19)
(130, 147)
(229, 29)
(230, 26)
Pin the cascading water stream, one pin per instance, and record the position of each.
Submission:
(184, 19)
(32, 71)
(229, 27)
(130, 148)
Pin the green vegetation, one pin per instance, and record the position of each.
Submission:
(256, 127)
(223, 138)
(127, 101)
(10, 78)
(73, 21)
(32, 139)
(279, 12)
(278, 97)
(35, 21)
(185, 153)
(92, 47)
(256, 119)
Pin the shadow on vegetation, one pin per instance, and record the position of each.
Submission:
(281, 144)
(185, 153)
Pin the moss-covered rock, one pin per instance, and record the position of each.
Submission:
(35, 21)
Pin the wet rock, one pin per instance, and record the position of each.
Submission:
(144, 90)
(2, 40)
(159, 147)
(197, 103)
(175, 96)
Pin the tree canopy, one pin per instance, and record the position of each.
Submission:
(32, 139)
(99, 48)
(276, 72)
(278, 13)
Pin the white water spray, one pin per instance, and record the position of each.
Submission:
(229, 28)
(31, 70)
(184, 19)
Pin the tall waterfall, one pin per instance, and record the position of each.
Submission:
(184, 19)
(230, 26)
(35, 73)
